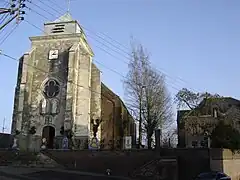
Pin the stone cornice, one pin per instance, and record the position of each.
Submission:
(76, 36)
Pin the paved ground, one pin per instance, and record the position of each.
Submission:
(6, 178)
(10, 173)
(49, 175)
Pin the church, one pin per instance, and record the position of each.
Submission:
(59, 94)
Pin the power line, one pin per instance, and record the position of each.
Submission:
(164, 73)
(63, 11)
(48, 6)
(98, 61)
(4, 17)
(40, 8)
(5, 6)
(15, 10)
(96, 46)
(8, 34)
(124, 51)
(41, 70)
(100, 49)
(37, 13)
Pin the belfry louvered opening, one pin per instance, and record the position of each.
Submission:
(58, 28)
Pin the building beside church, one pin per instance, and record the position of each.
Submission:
(195, 126)
(59, 92)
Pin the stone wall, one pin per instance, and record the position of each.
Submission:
(190, 162)
(122, 163)
(226, 161)
(5, 140)
(116, 120)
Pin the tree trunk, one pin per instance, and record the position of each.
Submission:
(149, 142)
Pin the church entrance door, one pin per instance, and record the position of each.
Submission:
(49, 133)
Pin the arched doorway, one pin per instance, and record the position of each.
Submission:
(48, 132)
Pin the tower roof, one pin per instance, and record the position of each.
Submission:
(64, 18)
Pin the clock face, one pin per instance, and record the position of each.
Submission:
(53, 54)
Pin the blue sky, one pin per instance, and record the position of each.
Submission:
(194, 42)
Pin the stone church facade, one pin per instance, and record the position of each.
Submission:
(58, 88)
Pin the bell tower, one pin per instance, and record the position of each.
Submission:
(55, 85)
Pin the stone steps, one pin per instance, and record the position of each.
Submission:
(27, 159)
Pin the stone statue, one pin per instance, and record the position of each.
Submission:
(15, 143)
(65, 143)
(93, 143)
(67, 125)
(95, 125)
(54, 106)
(43, 106)
(44, 144)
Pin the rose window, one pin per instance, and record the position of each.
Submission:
(51, 88)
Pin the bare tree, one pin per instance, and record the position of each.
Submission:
(157, 103)
(147, 94)
(169, 138)
(134, 84)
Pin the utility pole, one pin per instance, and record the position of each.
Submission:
(21, 5)
(15, 10)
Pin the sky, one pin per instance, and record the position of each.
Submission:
(193, 42)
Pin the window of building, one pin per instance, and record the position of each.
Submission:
(194, 144)
(203, 143)
(51, 88)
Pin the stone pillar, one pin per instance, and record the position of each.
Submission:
(69, 95)
(95, 107)
(208, 142)
(158, 138)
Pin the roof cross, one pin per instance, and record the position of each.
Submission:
(68, 5)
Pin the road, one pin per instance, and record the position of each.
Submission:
(44, 174)
(52, 175)
(6, 178)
